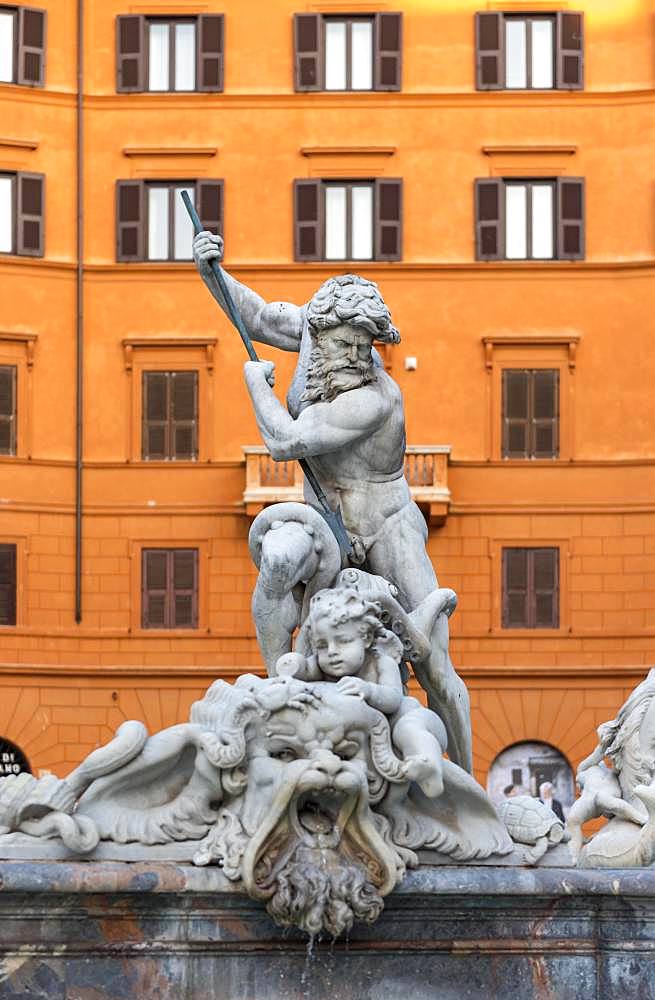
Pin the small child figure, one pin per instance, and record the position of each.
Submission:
(352, 647)
(601, 796)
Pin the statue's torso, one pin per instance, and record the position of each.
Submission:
(365, 478)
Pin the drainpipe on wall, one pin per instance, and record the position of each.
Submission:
(79, 394)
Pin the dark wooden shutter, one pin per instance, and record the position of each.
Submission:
(570, 218)
(544, 597)
(130, 220)
(31, 46)
(388, 218)
(489, 51)
(211, 47)
(130, 53)
(184, 415)
(210, 205)
(8, 584)
(388, 51)
(30, 210)
(8, 410)
(308, 219)
(545, 413)
(308, 51)
(515, 588)
(154, 588)
(155, 422)
(530, 588)
(516, 413)
(184, 611)
(570, 51)
(489, 219)
(530, 413)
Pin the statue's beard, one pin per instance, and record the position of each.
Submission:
(322, 892)
(327, 378)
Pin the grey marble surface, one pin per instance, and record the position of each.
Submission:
(116, 931)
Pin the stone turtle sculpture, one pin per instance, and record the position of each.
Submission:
(530, 822)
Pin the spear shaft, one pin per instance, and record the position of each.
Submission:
(332, 518)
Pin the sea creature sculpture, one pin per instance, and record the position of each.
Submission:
(623, 791)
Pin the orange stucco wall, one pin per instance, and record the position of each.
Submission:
(66, 685)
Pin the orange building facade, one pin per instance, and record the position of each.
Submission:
(80, 325)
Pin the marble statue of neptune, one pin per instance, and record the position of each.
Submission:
(345, 415)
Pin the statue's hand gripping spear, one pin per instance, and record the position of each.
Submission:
(333, 518)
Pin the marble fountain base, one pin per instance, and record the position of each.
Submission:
(111, 930)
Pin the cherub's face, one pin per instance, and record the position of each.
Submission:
(340, 649)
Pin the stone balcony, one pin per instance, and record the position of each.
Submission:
(426, 469)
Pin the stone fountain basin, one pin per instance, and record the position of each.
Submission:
(104, 930)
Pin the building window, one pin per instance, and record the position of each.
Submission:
(7, 409)
(170, 416)
(347, 53)
(169, 588)
(21, 214)
(171, 55)
(529, 52)
(164, 54)
(22, 45)
(530, 413)
(530, 587)
(152, 222)
(170, 230)
(7, 584)
(529, 219)
(348, 220)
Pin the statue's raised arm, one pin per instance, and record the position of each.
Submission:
(278, 324)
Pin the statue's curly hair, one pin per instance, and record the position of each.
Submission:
(353, 300)
(346, 605)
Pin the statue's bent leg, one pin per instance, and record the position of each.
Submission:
(295, 553)
(401, 558)
(448, 697)
(276, 616)
(421, 739)
(582, 810)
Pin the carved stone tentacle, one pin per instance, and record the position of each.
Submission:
(385, 760)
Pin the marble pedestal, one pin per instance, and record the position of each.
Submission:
(118, 931)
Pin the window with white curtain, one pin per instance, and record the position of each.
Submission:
(348, 53)
(349, 221)
(529, 53)
(7, 45)
(169, 230)
(171, 55)
(529, 220)
(6, 214)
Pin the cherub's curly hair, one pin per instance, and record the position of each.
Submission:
(353, 300)
(346, 605)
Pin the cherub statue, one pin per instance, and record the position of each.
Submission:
(352, 647)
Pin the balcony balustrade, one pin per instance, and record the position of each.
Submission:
(426, 470)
